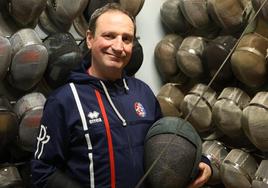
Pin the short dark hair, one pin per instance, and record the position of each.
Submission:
(108, 7)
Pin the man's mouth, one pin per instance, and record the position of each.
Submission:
(115, 57)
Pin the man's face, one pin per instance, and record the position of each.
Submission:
(111, 45)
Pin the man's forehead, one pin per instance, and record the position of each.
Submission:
(113, 22)
(108, 13)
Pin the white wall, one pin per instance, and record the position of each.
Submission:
(150, 31)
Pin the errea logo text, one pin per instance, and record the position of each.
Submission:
(94, 117)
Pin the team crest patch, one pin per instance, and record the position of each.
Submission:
(139, 109)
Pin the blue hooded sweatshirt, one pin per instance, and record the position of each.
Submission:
(93, 132)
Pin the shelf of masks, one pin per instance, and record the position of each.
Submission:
(212, 62)
(202, 41)
(229, 121)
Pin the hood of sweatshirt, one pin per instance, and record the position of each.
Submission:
(81, 76)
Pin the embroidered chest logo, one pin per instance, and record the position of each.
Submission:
(139, 109)
(94, 117)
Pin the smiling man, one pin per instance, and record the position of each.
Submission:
(93, 128)
(110, 40)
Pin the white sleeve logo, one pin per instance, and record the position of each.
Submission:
(42, 139)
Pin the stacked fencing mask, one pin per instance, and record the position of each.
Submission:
(8, 123)
(238, 169)
(215, 54)
(178, 165)
(195, 12)
(216, 153)
(261, 176)
(9, 176)
(169, 98)
(45, 23)
(201, 116)
(5, 56)
(255, 120)
(230, 15)
(249, 60)
(7, 25)
(25, 13)
(29, 59)
(165, 59)
(59, 15)
(227, 111)
(188, 56)
(132, 6)
(64, 56)
(172, 18)
(264, 11)
(80, 25)
(29, 109)
(63, 12)
(136, 59)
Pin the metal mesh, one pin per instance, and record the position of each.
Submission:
(238, 169)
(261, 176)
(176, 164)
(216, 153)
(195, 13)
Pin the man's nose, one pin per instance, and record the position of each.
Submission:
(118, 44)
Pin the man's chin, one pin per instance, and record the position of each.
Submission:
(116, 64)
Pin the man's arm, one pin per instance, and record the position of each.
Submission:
(51, 148)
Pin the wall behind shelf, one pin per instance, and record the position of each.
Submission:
(150, 31)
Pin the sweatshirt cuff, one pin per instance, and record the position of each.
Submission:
(59, 179)
(204, 159)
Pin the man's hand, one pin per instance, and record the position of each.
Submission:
(203, 177)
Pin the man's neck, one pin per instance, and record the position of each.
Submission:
(112, 77)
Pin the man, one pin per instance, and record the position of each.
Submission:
(93, 129)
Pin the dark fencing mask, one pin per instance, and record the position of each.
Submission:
(8, 123)
(178, 165)
(136, 59)
(215, 54)
(64, 56)
(5, 56)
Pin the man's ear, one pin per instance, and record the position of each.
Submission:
(89, 38)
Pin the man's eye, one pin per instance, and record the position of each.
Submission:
(127, 40)
(108, 36)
